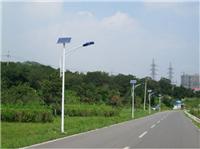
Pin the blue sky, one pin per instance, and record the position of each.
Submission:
(128, 35)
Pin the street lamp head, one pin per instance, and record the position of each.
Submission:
(64, 40)
(88, 43)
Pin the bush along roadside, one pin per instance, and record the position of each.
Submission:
(90, 110)
(26, 115)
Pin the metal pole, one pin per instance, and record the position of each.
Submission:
(145, 90)
(133, 101)
(149, 103)
(159, 104)
(63, 90)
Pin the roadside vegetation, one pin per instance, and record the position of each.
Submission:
(31, 133)
(31, 98)
(193, 106)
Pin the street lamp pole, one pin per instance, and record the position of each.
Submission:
(150, 93)
(63, 91)
(145, 92)
(133, 82)
(133, 101)
(63, 41)
(160, 96)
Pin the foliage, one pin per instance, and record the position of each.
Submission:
(32, 133)
(90, 110)
(21, 94)
(33, 83)
(21, 114)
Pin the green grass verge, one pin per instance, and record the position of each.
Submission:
(196, 123)
(193, 121)
(16, 134)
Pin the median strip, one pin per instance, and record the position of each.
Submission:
(144, 133)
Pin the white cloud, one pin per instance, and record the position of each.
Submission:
(43, 10)
(119, 20)
(85, 13)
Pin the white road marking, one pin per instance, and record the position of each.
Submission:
(144, 133)
(153, 126)
(158, 122)
(127, 147)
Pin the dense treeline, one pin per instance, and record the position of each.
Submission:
(31, 83)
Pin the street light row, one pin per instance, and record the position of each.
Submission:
(150, 93)
(65, 40)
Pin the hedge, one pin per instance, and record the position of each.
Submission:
(195, 112)
(26, 115)
(90, 110)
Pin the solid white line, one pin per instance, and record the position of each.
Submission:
(153, 126)
(127, 147)
(144, 133)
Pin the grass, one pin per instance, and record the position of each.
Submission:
(194, 122)
(16, 135)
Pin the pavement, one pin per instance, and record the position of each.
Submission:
(170, 129)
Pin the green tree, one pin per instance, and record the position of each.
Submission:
(21, 94)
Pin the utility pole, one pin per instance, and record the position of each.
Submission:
(145, 93)
(153, 70)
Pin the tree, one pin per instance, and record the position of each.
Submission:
(51, 89)
(165, 86)
(21, 94)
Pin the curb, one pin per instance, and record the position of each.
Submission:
(192, 116)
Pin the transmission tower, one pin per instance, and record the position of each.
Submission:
(170, 72)
(153, 70)
(8, 57)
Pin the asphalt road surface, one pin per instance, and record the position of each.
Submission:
(170, 129)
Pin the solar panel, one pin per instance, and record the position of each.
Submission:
(133, 81)
(64, 40)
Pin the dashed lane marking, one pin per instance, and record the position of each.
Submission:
(153, 126)
(142, 135)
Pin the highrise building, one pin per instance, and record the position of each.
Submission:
(190, 81)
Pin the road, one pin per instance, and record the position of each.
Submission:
(171, 129)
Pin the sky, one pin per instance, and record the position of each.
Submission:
(127, 35)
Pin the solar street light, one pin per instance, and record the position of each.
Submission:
(64, 41)
(133, 82)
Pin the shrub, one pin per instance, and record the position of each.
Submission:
(26, 115)
(90, 110)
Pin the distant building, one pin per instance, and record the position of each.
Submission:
(177, 105)
(190, 81)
